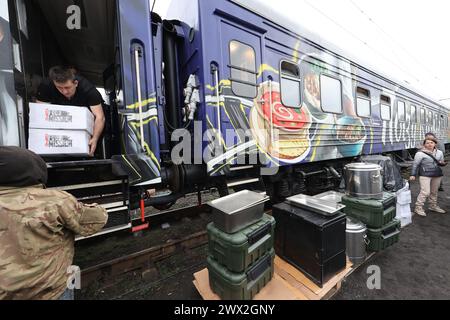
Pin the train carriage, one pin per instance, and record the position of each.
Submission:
(244, 98)
(303, 100)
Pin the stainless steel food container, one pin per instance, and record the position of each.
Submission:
(320, 206)
(356, 240)
(238, 210)
(330, 196)
(364, 181)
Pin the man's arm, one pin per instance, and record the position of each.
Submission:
(99, 125)
(82, 219)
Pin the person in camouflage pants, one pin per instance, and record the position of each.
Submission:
(37, 229)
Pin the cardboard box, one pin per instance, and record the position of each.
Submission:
(50, 116)
(59, 142)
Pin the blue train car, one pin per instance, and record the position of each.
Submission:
(222, 94)
(304, 102)
(328, 104)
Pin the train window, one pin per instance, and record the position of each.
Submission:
(290, 84)
(331, 94)
(385, 108)
(363, 104)
(385, 112)
(243, 69)
(413, 114)
(401, 111)
(422, 116)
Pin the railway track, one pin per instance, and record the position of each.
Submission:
(127, 265)
(141, 261)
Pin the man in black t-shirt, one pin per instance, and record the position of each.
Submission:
(65, 87)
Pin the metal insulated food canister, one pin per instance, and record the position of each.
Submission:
(364, 181)
(356, 240)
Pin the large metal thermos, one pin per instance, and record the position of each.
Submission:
(364, 181)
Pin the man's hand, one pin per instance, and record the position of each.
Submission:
(92, 146)
(99, 125)
(412, 178)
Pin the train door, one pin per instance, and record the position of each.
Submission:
(136, 93)
(238, 77)
(10, 119)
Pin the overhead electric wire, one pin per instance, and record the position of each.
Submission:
(394, 41)
(362, 41)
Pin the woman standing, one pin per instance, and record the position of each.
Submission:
(427, 165)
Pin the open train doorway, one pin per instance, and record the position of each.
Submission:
(78, 34)
(95, 39)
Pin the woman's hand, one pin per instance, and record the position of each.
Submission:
(412, 178)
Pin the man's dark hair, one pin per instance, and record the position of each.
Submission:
(61, 74)
(430, 134)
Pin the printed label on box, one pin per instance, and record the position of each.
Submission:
(58, 116)
(53, 141)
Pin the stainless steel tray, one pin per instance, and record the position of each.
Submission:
(331, 196)
(319, 206)
(237, 211)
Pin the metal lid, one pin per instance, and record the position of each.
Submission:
(354, 226)
(362, 166)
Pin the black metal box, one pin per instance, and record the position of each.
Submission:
(313, 243)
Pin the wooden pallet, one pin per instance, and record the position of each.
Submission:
(288, 283)
(304, 285)
(276, 289)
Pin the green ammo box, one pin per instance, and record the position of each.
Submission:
(239, 250)
(383, 238)
(373, 213)
(241, 286)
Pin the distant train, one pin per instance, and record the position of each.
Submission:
(296, 104)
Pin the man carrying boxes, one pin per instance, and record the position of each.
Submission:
(69, 92)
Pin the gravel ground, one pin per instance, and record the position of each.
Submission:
(415, 268)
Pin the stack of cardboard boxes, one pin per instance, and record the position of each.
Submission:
(60, 130)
